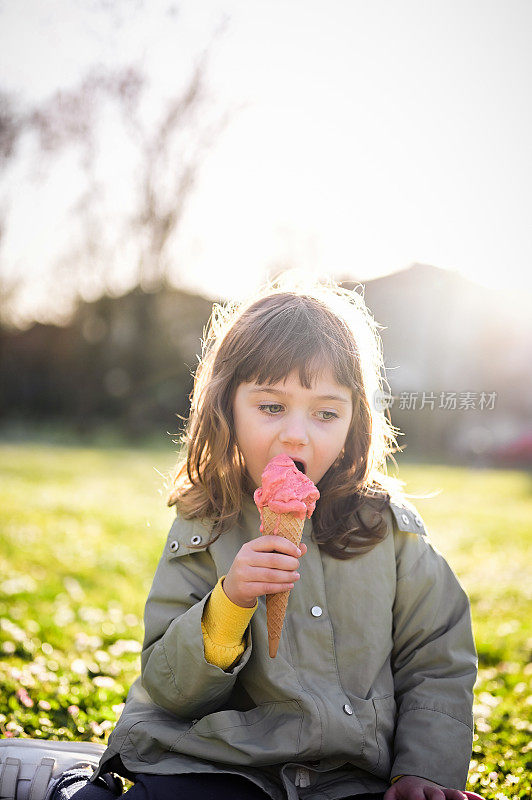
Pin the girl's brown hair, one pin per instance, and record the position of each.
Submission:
(291, 326)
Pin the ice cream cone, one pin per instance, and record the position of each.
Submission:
(291, 527)
(285, 499)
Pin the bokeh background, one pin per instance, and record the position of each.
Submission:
(158, 157)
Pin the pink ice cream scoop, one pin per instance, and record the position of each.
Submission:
(286, 490)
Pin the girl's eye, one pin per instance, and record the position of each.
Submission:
(271, 408)
(328, 415)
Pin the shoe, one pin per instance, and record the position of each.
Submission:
(30, 768)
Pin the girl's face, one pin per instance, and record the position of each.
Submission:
(309, 425)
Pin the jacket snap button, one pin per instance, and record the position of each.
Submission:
(348, 709)
(405, 518)
(174, 546)
(195, 540)
(316, 611)
(419, 521)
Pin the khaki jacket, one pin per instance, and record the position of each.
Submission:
(373, 677)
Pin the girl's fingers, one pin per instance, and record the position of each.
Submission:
(258, 589)
(448, 794)
(416, 793)
(411, 788)
(277, 588)
(267, 565)
(433, 793)
(270, 543)
(273, 561)
(274, 576)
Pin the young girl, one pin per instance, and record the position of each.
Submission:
(370, 693)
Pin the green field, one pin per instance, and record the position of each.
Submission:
(81, 532)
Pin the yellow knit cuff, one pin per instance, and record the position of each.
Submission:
(224, 621)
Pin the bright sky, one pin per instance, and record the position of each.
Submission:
(374, 134)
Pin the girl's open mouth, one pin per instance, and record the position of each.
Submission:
(299, 465)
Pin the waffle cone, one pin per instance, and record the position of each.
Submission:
(291, 527)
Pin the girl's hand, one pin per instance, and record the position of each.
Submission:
(410, 787)
(266, 565)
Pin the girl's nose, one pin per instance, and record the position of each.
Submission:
(293, 431)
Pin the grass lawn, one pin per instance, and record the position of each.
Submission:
(81, 532)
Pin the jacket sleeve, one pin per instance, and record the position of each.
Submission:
(174, 670)
(434, 664)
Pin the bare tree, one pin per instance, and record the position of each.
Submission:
(169, 152)
(168, 176)
(11, 126)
